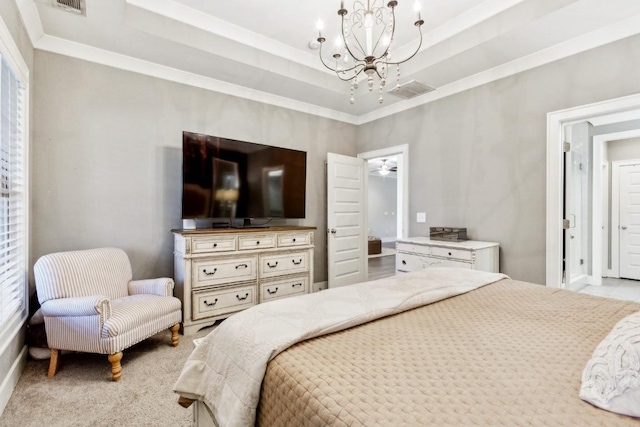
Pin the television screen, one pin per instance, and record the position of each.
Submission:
(224, 178)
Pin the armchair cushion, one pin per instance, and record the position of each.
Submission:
(162, 287)
(131, 312)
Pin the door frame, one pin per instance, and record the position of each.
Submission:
(615, 211)
(402, 151)
(555, 193)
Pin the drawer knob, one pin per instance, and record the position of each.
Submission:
(296, 284)
(272, 266)
(241, 266)
(257, 242)
(298, 262)
(209, 273)
(272, 292)
(210, 304)
(294, 239)
(243, 298)
(215, 245)
(404, 262)
(449, 253)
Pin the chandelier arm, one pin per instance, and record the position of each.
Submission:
(393, 32)
(352, 68)
(346, 44)
(352, 77)
(322, 60)
(414, 53)
(377, 43)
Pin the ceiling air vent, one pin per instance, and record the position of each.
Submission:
(73, 6)
(410, 90)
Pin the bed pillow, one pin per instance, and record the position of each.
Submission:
(611, 379)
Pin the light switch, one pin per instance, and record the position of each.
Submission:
(421, 217)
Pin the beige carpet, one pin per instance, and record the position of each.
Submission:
(81, 394)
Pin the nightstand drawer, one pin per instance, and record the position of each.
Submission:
(256, 242)
(277, 265)
(284, 288)
(210, 272)
(451, 253)
(213, 244)
(216, 302)
(298, 239)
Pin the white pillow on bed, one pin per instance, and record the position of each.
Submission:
(611, 379)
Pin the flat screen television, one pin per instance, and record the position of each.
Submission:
(224, 178)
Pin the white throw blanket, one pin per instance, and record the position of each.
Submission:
(227, 368)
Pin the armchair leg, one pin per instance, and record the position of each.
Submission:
(54, 363)
(116, 367)
(174, 334)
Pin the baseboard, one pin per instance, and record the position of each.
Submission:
(10, 381)
(319, 286)
(388, 239)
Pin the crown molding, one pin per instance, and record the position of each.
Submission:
(129, 63)
(592, 40)
(210, 24)
(600, 37)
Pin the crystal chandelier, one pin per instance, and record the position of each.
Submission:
(366, 37)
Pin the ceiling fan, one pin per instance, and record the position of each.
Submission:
(385, 169)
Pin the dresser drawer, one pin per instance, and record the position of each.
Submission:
(418, 249)
(411, 262)
(211, 303)
(279, 264)
(256, 242)
(213, 244)
(451, 253)
(297, 239)
(209, 272)
(284, 288)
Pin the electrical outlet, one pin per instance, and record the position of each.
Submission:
(421, 217)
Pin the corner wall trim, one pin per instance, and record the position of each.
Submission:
(10, 381)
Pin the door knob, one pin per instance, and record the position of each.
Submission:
(624, 227)
(333, 231)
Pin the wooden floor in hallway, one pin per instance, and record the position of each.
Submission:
(384, 266)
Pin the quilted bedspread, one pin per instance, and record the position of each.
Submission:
(507, 354)
(227, 368)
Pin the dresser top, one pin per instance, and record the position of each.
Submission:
(198, 231)
(469, 244)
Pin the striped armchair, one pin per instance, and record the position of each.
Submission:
(90, 304)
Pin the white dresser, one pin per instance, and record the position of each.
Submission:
(219, 272)
(416, 253)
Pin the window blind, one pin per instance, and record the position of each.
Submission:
(13, 271)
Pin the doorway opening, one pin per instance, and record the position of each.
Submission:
(591, 234)
(387, 207)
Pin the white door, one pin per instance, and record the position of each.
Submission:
(630, 221)
(346, 220)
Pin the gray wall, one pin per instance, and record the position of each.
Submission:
(11, 351)
(107, 157)
(624, 149)
(478, 158)
(382, 205)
